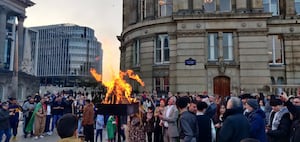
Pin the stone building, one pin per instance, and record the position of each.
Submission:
(218, 46)
(16, 68)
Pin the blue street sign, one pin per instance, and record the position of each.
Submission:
(190, 62)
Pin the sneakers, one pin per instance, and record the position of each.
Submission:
(36, 137)
(49, 133)
(41, 136)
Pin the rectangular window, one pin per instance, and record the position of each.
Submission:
(143, 9)
(165, 7)
(227, 46)
(275, 49)
(161, 84)
(212, 46)
(297, 6)
(271, 6)
(136, 53)
(162, 50)
(209, 5)
(225, 5)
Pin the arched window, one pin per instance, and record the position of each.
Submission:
(20, 92)
(272, 80)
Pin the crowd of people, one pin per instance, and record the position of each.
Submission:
(211, 118)
(176, 117)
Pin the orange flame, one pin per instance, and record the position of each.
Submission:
(118, 90)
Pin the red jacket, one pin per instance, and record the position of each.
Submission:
(88, 114)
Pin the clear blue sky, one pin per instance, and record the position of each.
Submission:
(104, 16)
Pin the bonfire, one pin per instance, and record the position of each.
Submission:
(118, 90)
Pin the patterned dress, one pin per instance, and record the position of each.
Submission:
(136, 131)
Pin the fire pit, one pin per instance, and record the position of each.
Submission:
(117, 109)
(118, 100)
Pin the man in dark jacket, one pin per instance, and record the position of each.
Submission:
(4, 122)
(187, 122)
(256, 118)
(236, 126)
(280, 123)
(15, 108)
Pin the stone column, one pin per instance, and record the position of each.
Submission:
(20, 47)
(18, 56)
(2, 35)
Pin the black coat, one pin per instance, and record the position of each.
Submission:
(235, 128)
(282, 134)
(257, 125)
(295, 137)
(4, 119)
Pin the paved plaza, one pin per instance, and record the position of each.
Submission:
(53, 138)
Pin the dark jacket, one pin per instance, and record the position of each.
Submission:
(188, 126)
(235, 127)
(211, 110)
(4, 119)
(282, 134)
(257, 125)
(295, 134)
(204, 125)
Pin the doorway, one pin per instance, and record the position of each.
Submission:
(222, 86)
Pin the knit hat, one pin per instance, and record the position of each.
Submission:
(253, 103)
(275, 102)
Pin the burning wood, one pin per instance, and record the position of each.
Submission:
(118, 90)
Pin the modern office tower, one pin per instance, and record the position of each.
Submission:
(220, 46)
(66, 52)
(13, 78)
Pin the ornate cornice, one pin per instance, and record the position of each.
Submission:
(190, 33)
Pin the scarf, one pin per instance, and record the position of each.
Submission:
(29, 127)
(277, 117)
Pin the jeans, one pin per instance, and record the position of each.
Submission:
(47, 124)
(54, 121)
(79, 129)
(98, 132)
(7, 133)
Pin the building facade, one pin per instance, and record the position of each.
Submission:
(220, 46)
(65, 54)
(15, 68)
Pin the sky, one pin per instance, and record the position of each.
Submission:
(104, 16)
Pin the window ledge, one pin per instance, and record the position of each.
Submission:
(161, 66)
(230, 64)
(277, 66)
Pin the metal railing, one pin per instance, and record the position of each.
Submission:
(289, 89)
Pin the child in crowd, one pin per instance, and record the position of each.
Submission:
(99, 126)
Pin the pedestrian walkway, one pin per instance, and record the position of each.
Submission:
(20, 137)
(53, 138)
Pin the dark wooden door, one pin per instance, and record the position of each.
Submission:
(222, 86)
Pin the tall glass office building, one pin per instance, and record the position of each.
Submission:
(66, 52)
